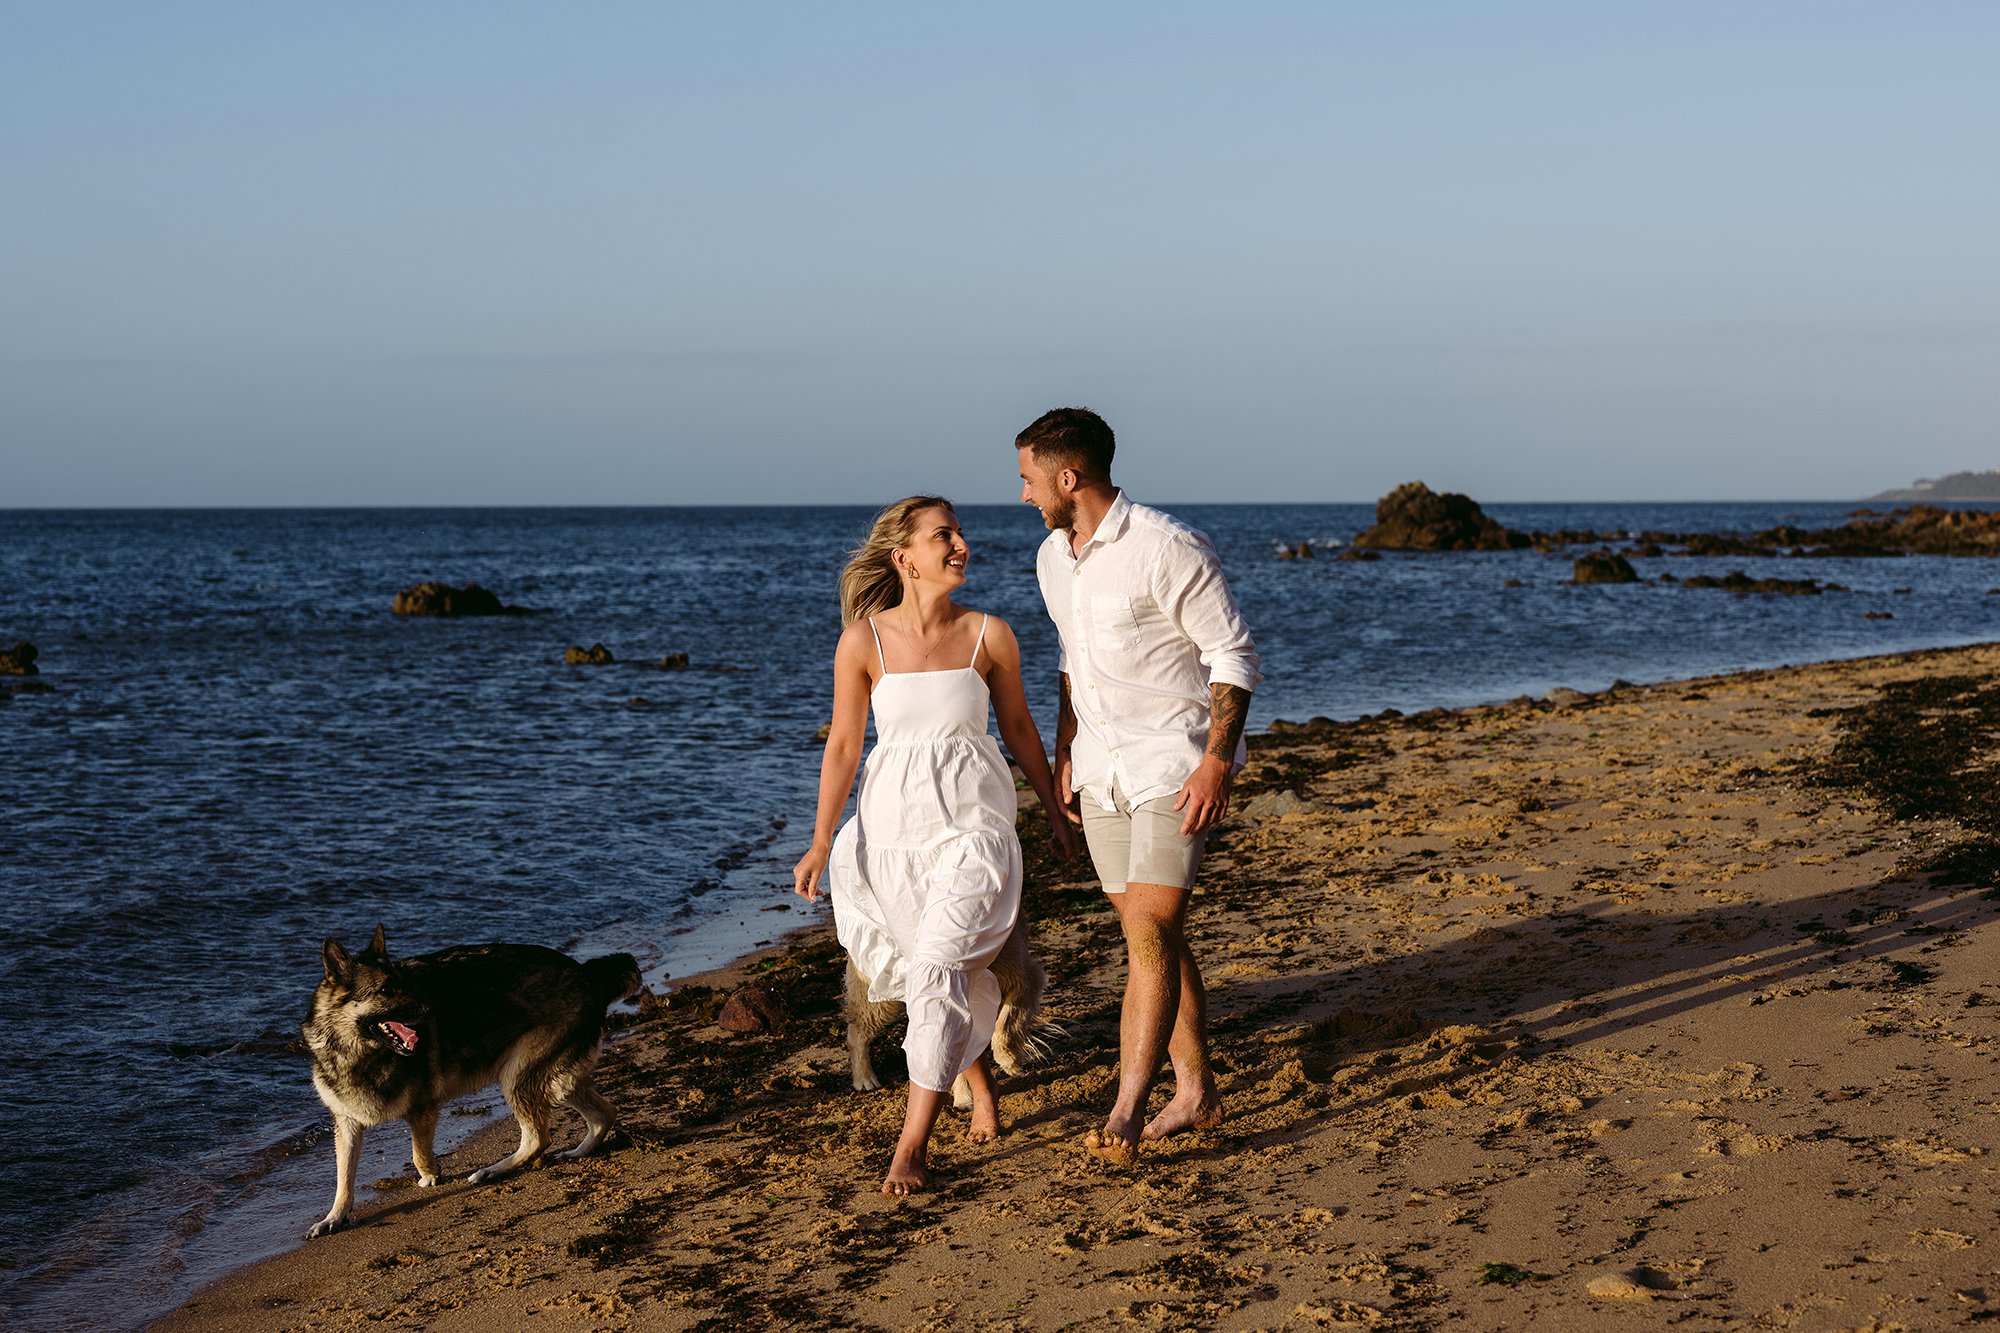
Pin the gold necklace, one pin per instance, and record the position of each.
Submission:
(926, 654)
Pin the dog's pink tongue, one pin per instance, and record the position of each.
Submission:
(408, 1036)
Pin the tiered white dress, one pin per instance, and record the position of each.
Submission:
(926, 877)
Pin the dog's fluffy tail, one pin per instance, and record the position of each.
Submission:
(613, 977)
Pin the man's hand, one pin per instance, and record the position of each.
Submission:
(1204, 797)
(1070, 804)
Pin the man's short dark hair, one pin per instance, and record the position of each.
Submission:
(1071, 437)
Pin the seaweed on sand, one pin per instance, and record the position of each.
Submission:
(1925, 749)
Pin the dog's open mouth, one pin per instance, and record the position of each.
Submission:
(401, 1037)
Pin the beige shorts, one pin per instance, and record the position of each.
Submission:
(1140, 844)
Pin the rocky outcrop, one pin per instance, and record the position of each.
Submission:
(1413, 517)
(1602, 567)
(1928, 530)
(20, 660)
(595, 655)
(1917, 530)
(437, 598)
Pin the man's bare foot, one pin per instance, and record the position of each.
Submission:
(1197, 1110)
(906, 1176)
(985, 1126)
(1111, 1147)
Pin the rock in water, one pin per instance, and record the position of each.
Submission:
(1413, 517)
(441, 599)
(20, 660)
(1736, 581)
(595, 655)
(1602, 567)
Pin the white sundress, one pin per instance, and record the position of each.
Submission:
(926, 877)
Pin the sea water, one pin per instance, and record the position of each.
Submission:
(244, 751)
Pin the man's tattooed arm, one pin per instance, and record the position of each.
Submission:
(1229, 706)
(1065, 714)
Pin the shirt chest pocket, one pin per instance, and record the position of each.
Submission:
(1114, 624)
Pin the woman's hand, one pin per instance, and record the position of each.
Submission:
(806, 874)
(1061, 835)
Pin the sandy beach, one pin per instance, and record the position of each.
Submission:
(1665, 1005)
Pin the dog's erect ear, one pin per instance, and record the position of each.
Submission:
(336, 961)
(378, 945)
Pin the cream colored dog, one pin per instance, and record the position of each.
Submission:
(1017, 1034)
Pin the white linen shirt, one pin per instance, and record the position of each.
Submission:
(1147, 626)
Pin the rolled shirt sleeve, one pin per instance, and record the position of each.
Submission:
(1195, 598)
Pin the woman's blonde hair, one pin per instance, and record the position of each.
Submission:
(871, 582)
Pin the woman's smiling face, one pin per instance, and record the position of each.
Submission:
(936, 549)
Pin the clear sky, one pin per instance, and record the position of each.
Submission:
(495, 253)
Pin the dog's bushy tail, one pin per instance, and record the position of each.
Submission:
(613, 977)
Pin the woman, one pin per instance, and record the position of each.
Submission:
(928, 872)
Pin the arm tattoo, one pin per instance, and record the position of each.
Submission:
(1229, 706)
(1065, 713)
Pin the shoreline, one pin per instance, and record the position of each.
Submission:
(1461, 1088)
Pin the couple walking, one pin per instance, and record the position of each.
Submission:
(1155, 677)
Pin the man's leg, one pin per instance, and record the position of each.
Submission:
(1154, 918)
(1196, 1104)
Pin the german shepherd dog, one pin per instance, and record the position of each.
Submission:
(1017, 1039)
(397, 1040)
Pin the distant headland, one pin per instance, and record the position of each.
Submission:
(1957, 486)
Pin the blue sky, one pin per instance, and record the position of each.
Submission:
(658, 254)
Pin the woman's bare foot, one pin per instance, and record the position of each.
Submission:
(1111, 1147)
(907, 1175)
(1199, 1108)
(985, 1125)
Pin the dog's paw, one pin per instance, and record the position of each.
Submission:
(482, 1175)
(326, 1226)
(425, 1182)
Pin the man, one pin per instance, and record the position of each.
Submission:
(1156, 674)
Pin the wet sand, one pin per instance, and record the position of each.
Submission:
(1673, 1004)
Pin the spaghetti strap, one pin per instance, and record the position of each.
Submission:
(882, 661)
(976, 646)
